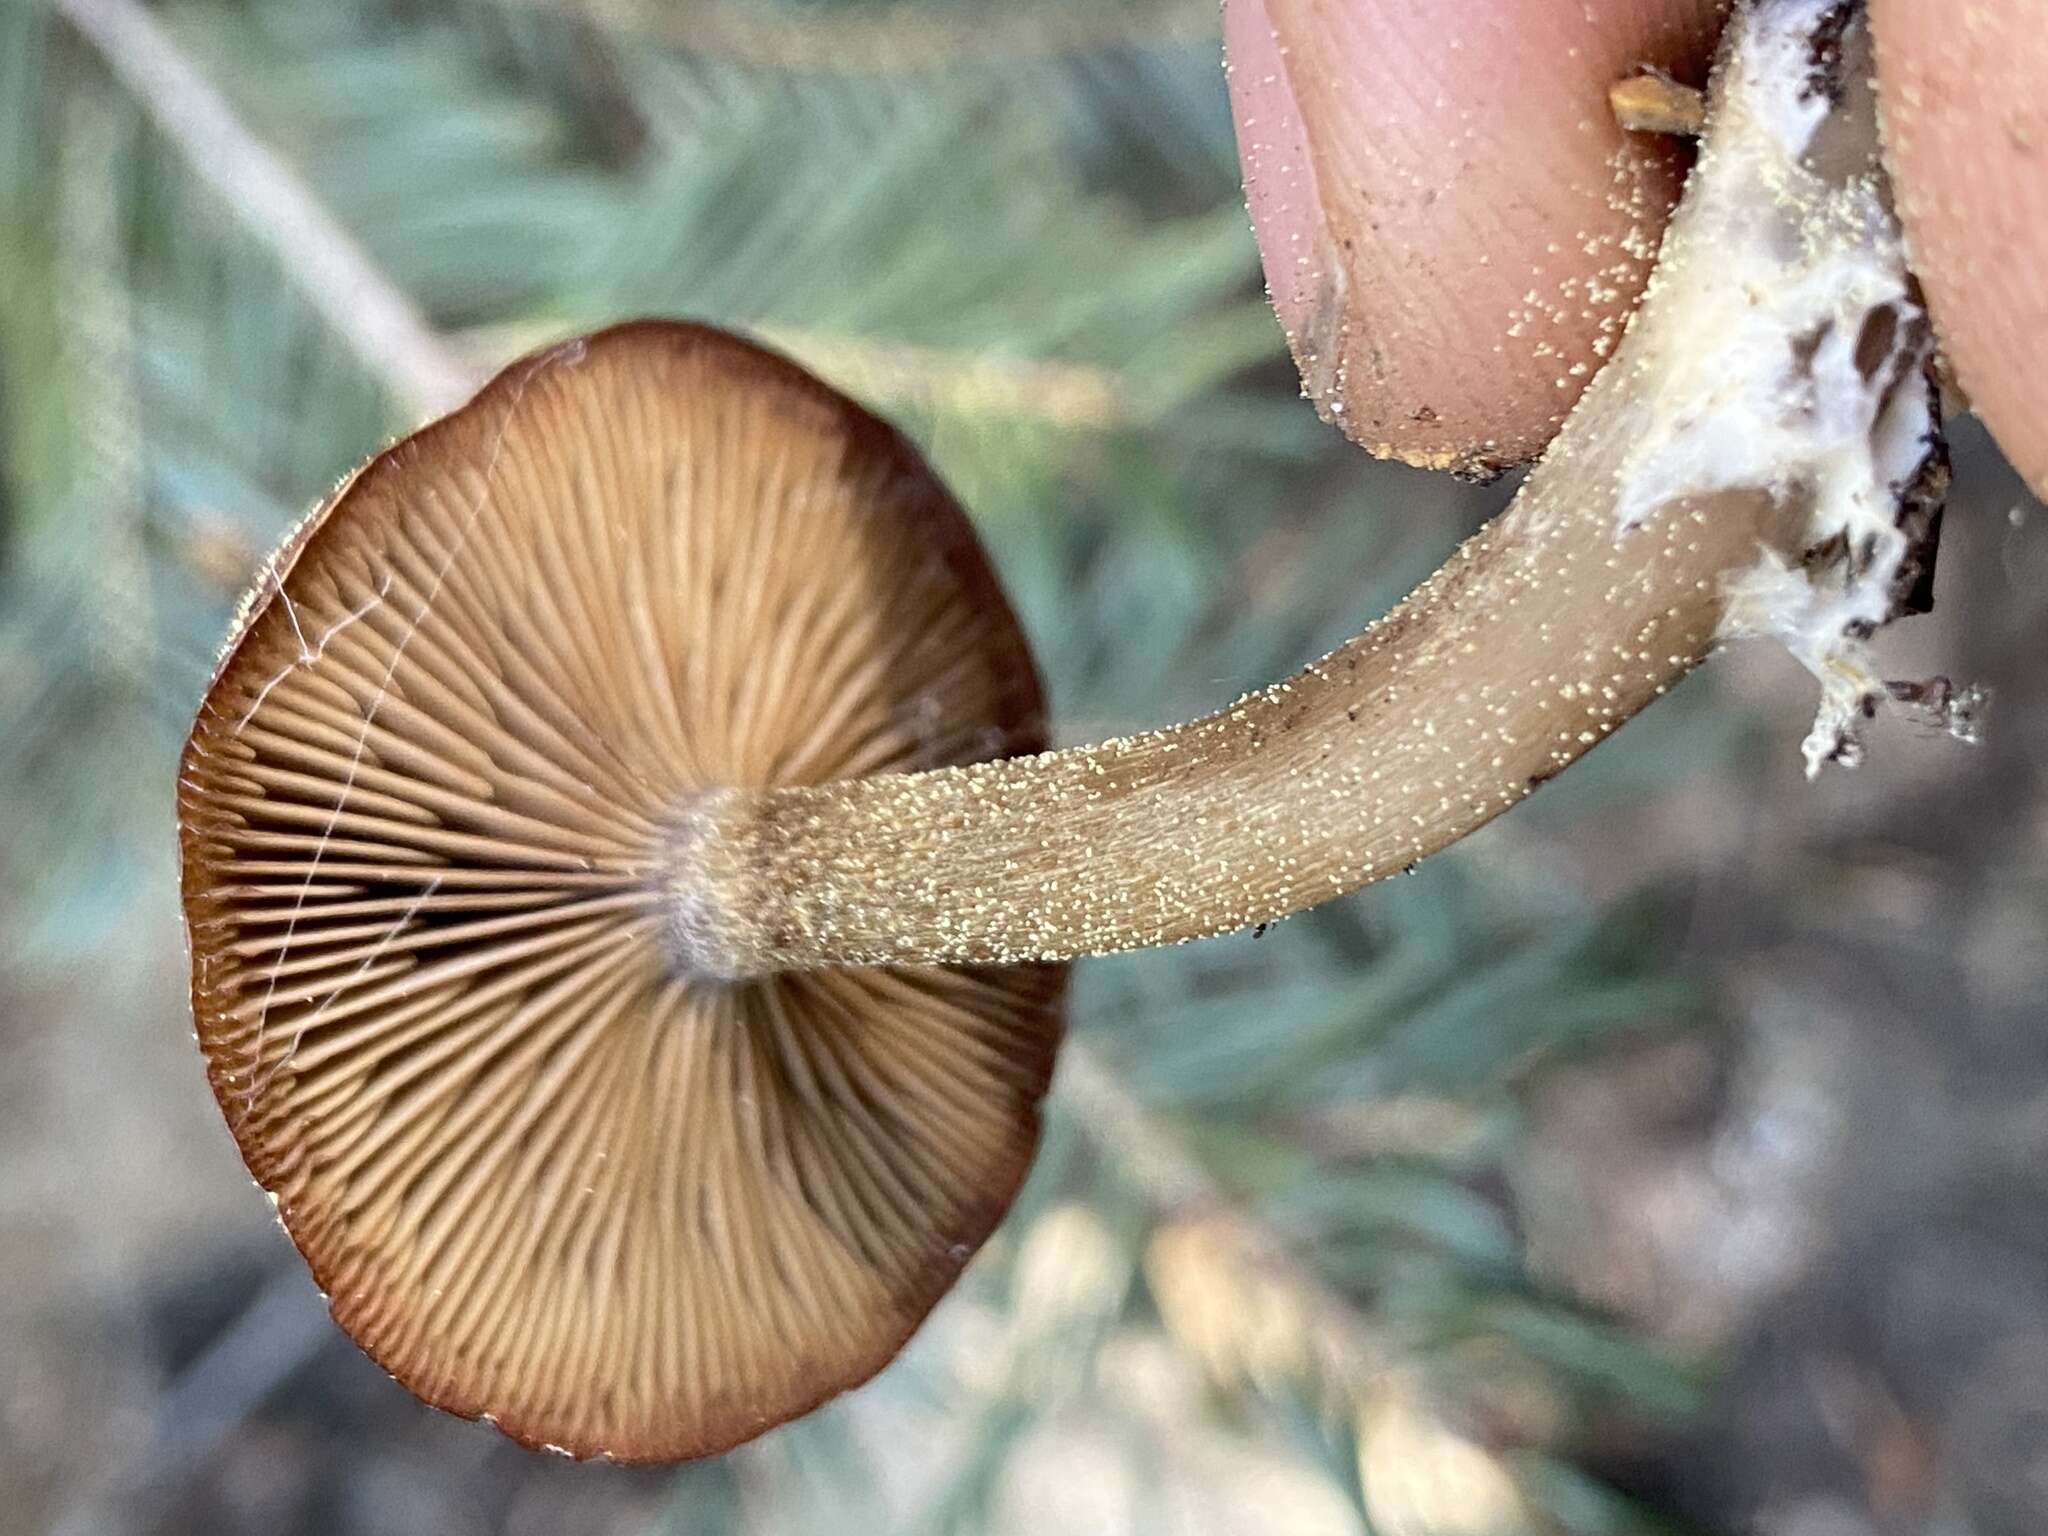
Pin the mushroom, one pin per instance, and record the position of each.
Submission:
(625, 891)
(542, 1172)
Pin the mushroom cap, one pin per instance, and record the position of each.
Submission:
(543, 1175)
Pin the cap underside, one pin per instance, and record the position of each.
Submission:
(541, 1176)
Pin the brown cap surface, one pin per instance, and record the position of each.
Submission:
(542, 1176)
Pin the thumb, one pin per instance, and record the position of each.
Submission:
(1453, 228)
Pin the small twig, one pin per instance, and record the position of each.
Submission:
(356, 299)
(1653, 102)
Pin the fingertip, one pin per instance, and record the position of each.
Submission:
(1966, 136)
(1453, 228)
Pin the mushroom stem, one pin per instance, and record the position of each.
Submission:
(1762, 455)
